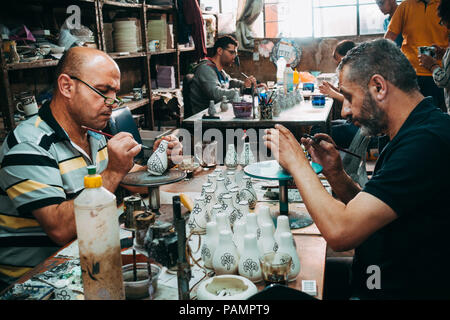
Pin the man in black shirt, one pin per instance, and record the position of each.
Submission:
(398, 223)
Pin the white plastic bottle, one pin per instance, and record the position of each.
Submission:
(99, 240)
(281, 65)
(288, 79)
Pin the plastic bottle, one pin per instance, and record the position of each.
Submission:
(281, 65)
(288, 79)
(296, 78)
(99, 240)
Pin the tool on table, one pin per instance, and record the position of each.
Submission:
(317, 140)
(110, 136)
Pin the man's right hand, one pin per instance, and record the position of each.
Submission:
(324, 153)
(122, 148)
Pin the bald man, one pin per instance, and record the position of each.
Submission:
(44, 160)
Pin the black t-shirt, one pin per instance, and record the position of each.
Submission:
(411, 176)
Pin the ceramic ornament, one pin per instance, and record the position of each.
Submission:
(266, 243)
(249, 260)
(252, 225)
(198, 217)
(210, 243)
(235, 195)
(263, 216)
(211, 108)
(287, 246)
(210, 200)
(205, 186)
(282, 226)
(247, 192)
(243, 211)
(221, 190)
(240, 230)
(230, 210)
(223, 223)
(214, 211)
(212, 178)
(231, 160)
(224, 104)
(247, 156)
(230, 181)
(226, 258)
(157, 163)
(219, 173)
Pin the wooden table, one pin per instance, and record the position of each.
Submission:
(311, 247)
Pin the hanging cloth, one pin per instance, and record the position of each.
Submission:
(193, 17)
(244, 34)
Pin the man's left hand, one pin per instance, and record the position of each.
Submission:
(249, 81)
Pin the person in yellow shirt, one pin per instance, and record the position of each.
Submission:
(418, 22)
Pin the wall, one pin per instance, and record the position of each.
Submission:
(317, 54)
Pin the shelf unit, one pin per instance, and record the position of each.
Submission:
(145, 57)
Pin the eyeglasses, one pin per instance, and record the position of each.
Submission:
(232, 52)
(108, 101)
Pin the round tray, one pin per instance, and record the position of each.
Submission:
(271, 170)
(145, 179)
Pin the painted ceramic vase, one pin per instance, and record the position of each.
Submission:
(210, 243)
(282, 226)
(158, 162)
(210, 200)
(219, 173)
(263, 216)
(221, 190)
(235, 195)
(266, 243)
(247, 192)
(243, 211)
(198, 217)
(211, 108)
(287, 246)
(212, 178)
(252, 225)
(223, 223)
(231, 157)
(224, 104)
(230, 209)
(205, 186)
(247, 156)
(240, 230)
(230, 181)
(249, 260)
(226, 258)
(215, 209)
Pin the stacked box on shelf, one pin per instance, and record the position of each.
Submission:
(157, 30)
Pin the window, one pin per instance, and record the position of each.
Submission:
(322, 18)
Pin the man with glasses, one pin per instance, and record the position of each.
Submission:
(211, 82)
(44, 160)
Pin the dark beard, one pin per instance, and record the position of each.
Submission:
(373, 119)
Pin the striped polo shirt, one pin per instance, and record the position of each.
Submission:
(40, 166)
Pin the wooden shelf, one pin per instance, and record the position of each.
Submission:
(118, 55)
(136, 104)
(43, 63)
(160, 8)
(162, 52)
(121, 4)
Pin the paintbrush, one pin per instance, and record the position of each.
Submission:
(246, 76)
(110, 136)
(317, 140)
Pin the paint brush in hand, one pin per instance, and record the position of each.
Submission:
(110, 136)
(317, 140)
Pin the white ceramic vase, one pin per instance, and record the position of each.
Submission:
(263, 215)
(282, 226)
(211, 108)
(287, 246)
(252, 225)
(210, 242)
(198, 217)
(229, 209)
(219, 173)
(158, 162)
(215, 209)
(226, 258)
(231, 157)
(235, 195)
(224, 104)
(247, 192)
(266, 243)
(205, 186)
(240, 230)
(221, 190)
(212, 178)
(243, 211)
(230, 181)
(247, 156)
(223, 223)
(210, 200)
(249, 260)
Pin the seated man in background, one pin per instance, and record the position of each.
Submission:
(211, 82)
(44, 160)
(398, 223)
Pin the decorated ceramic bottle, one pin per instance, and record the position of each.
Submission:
(231, 157)
(235, 195)
(198, 217)
(212, 178)
(205, 186)
(266, 243)
(263, 216)
(215, 209)
(210, 200)
(221, 190)
(287, 246)
(230, 210)
(249, 260)
(210, 243)
(226, 258)
(219, 173)
(252, 225)
(212, 108)
(247, 156)
(230, 181)
(224, 104)
(157, 163)
(282, 226)
(223, 223)
(243, 211)
(240, 230)
(247, 192)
